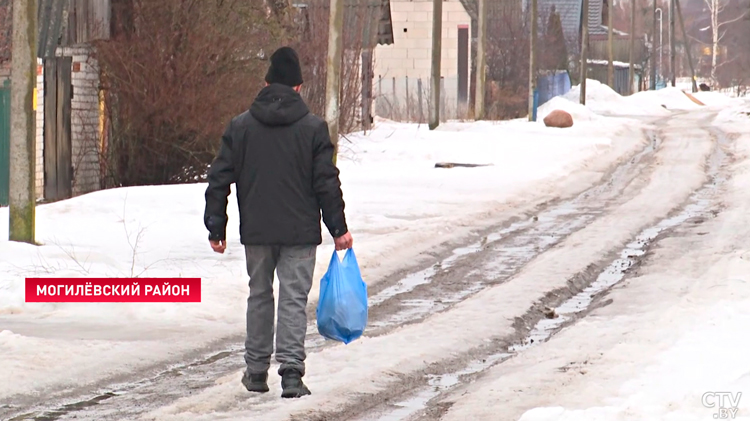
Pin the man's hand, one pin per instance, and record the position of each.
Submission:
(218, 246)
(344, 242)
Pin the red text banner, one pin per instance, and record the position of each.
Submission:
(113, 290)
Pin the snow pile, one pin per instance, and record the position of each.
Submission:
(716, 99)
(575, 109)
(673, 386)
(398, 206)
(737, 114)
(671, 98)
(602, 99)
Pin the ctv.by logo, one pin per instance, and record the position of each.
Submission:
(726, 404)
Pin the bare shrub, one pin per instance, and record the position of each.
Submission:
(312, 45)
(174, 73)
(508, 66)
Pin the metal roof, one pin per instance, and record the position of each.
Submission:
(52, 15)
(373, 16)
(570, 16)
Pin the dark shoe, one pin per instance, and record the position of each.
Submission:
(255, 382)
(292, 386)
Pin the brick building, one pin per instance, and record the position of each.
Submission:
(401, 69)
(69, 116)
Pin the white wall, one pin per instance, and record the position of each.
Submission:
(409, 56)
(84, 120)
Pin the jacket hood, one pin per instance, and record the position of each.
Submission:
(278, 105)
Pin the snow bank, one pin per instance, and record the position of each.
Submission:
(602, 99)
(668, 335)
(717, 99)
(398, 206)
(672, 387)
(575, 109)
(736, 114)
(670, 98)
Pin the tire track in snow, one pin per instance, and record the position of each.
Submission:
(392, 304)
(587, 293)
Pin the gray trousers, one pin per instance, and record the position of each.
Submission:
(294, 266)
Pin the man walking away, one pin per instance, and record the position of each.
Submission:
(280, 157)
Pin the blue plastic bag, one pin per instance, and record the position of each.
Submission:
(342, 305)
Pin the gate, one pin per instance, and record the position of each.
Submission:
(4, 142)
(552, 85)
(58, 160)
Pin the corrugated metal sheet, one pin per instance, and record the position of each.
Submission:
(552, 85)
(570, 17)
(372, 16)
(385, 24)
(70, 22)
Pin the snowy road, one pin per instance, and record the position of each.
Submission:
(475, 326)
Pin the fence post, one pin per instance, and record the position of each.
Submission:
(442, 98)
(419, 98)
(408, 101)
(396, 113)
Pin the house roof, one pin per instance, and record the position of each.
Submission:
(52, 25)
(373, 16)
(377, 15)
(570, 16)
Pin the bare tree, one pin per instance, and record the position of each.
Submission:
(716, 8)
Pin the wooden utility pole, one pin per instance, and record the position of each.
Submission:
(610, 45)
(584, 49)
(481, 73)
(672, 50)
(333, 71)
(23, 123)
(631, 72)
(437, 45)
(653, 48)
(687, 46)
(532, 60)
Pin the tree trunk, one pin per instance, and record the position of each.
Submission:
(714, 39)
(22, 123)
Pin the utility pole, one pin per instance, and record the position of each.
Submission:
(610, 45)
(631, 72)
(660, 63)
(481, 74)
(672, 50)
(687, 46)
(333, 71)
(23, 123)
(437, 45)
(532, 60)
(653, 48)
(584, 49)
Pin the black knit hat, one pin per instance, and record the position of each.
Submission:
(285, 68)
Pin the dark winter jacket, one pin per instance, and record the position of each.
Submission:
(280, 157)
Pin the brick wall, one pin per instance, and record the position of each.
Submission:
(84, 120)
(409, 56)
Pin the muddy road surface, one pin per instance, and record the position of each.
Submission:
(633, 205)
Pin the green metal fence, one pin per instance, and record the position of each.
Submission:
(4, 142)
